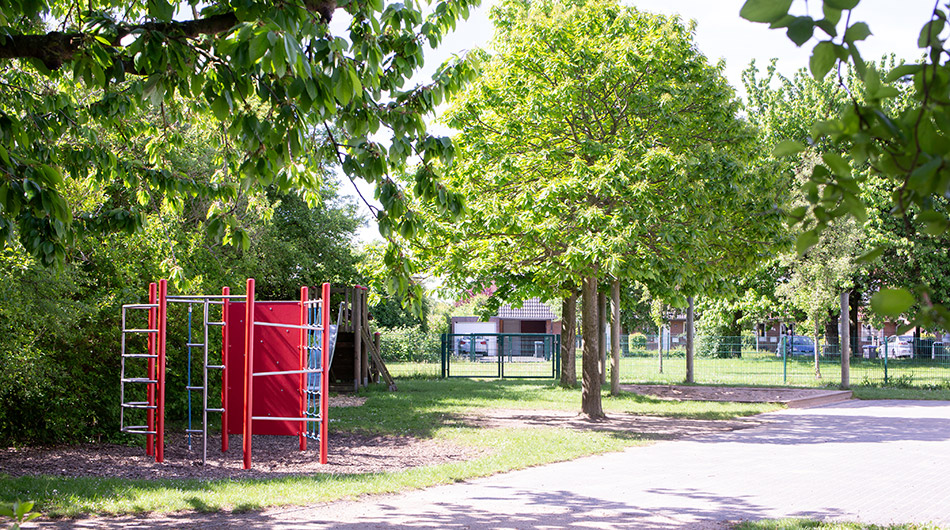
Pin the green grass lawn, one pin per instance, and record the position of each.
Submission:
(764, 369)
(421, 408)
(752, 369)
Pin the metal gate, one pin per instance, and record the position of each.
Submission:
(501, 355)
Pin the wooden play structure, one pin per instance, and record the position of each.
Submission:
(274, 363)
(357, 361)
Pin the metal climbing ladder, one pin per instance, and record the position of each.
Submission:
(315, 347)
(206, 302)
(154, 378)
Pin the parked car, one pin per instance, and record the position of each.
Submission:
(481, 345)
(899, 346)
(801, 345)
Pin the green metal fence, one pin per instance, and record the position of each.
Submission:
(718, 360)
(787, 361)
(501, 355)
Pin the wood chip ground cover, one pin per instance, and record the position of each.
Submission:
(353, 453)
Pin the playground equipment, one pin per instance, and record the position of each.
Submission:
(274, 363)
(357, 361)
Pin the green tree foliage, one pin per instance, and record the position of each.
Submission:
(300, 245)
(812, 278)
(784, 110)
(582, 143)
(598, 141)
(270, 73)
(905, 145)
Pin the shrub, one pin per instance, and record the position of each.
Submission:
(409, 344)
(635, 344)
(718, 346)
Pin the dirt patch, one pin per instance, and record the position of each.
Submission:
(724, 393)
(344, 400)
(351, 453)
(273, 456)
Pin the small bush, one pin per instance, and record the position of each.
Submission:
(718, 346)
(409, 344)
(635, 344)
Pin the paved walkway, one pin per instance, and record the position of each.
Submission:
(864, 461)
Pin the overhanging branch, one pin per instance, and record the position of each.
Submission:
(55, 48)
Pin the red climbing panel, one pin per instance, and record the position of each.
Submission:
(276, 349)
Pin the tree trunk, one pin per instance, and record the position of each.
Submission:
(831, 329)
(689, 341)
(615, 338)
(568, 342)
(845, 344)
(602, 334)
(735, 329)
(590, 384)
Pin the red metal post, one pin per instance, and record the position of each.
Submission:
(325, 371)
(152, 350)
(248, 371)
(225, 317)
(162, 318)
(302, 347)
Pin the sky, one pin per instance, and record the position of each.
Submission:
(721, 35)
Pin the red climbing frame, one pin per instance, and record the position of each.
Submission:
(152, 351)
(277, 354)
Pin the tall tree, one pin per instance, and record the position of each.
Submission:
(568, 338)
(597, 141)
(784, 110)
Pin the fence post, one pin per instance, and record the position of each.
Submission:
(784, 345)
(501, 358)
(443, 354)
(885, 360)
(689, 341)
(845, 334)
